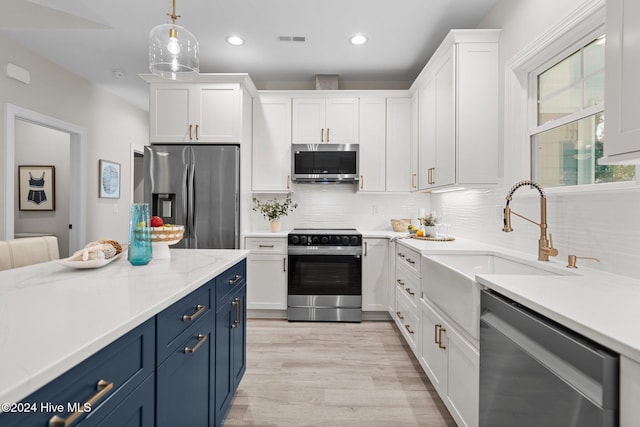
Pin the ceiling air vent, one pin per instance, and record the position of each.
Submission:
(288, 38)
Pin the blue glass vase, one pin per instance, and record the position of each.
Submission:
(139, 235)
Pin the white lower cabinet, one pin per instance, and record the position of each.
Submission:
(407, 320)
(266, 273)
(629, 392)
(452, 364)
(374, 274)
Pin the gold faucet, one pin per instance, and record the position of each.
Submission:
(545, 246)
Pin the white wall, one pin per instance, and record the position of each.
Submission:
(112, 126)
(339, 205)
(603, 224)
(38, 145)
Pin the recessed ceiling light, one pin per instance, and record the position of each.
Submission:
(235, 40)
(358, 40)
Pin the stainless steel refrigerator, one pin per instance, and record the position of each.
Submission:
(197, 186)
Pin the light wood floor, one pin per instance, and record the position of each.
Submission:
(333, 374)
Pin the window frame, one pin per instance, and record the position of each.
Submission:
(568, 45)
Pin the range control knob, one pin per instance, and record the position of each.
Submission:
(315, 239)
(303, 240)
(324, 240)
(295, 239)
(345, 240)
(354, 240)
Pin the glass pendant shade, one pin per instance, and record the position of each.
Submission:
(173, 52)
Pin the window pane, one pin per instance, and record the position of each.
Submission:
(594, 90)
(560, 76)
(567, 155)
(593, 57)
(560, 104)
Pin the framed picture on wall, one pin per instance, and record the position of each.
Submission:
(37, 188)
(109, 179)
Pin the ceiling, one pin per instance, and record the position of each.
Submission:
(92, 38)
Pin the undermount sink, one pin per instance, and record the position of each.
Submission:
(472, 264)
(449, 282)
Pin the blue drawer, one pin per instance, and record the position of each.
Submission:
(177, 318)
(229, 281)
(105, 379)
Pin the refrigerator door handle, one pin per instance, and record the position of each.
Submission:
(191, 197)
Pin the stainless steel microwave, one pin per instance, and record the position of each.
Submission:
(324, 163)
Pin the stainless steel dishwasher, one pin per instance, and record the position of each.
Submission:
(535, 372)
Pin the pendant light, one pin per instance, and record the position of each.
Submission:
(173, 51)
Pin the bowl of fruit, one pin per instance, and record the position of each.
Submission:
(164, 235)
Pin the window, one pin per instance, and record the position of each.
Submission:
(568, 132)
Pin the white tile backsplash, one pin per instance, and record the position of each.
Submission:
(341, 206)
(605, 225)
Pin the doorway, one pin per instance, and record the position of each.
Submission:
(14, 118)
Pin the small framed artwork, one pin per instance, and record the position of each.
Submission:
(109, 179)
(37, 188)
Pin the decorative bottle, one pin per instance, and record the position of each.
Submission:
(139, 235)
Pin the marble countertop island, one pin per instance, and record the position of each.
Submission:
(53, 317)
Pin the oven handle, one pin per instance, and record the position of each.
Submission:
(355, 251)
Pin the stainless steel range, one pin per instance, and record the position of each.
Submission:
(325, 275)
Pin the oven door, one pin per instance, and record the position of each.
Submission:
(325, 274)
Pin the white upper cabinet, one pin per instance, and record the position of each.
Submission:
(415, 153)
(271, 146)
(372, 144)
(214, 108)
(621, 82)
(458, 111)
(325, 120)
(195, 113)
(398, 149)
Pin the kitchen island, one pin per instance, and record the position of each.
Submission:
(53, 318)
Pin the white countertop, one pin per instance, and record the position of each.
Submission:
(53, 317)
(602, 306)
(383, 234)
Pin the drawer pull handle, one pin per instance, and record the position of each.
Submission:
(199, 310)
(197, 137)
(400, 282)
(235, 280)
(265, 246)
(408, 329)
(190, 135)
(410, 261)
(435, 332)
(400, 254)
(440, 338)
(103, 387)
(237, 303)
(400, 316)
(201, 340)
(409, 291)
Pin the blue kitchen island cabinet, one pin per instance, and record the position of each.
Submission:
(179, 365)
(106, 386)
(230, 351)
(184, 341)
